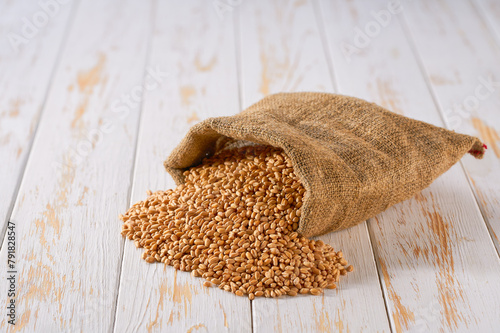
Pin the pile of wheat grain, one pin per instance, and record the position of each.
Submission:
(233, 223)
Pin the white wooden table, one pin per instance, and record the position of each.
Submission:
(95, 94)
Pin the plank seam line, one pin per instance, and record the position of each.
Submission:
(237, 50)
(412, 44)
(38, 116)
(483, 213)
(134, 159)
(371, 238)
(324, 41)
(237, 47)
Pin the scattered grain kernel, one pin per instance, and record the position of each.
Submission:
(315, 291)
(233, 222)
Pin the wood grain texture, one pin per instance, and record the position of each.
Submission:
(283, 41)
(280, 50)
(78, 175)
(467, 88)
(26, 65)
(97, 97)
(434, 253)
(197, 49)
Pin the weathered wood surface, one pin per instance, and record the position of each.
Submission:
(27, 59)
(95, 100)
(281, 50)
(434, 253)
(78, 175)
(465, 78)
(195, 49)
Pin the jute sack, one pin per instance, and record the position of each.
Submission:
(354, 158)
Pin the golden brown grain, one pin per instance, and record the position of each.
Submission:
(233, 223)
(315, 291)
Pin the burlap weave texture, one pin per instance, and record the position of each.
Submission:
(354, 158)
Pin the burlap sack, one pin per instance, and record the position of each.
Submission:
(355, 158)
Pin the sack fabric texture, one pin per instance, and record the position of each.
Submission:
(354, 158)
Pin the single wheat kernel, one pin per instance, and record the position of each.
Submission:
(315, 291)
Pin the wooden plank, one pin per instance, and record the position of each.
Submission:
(281, 50)
(78, 174)
(26, 65)
(197, 49)
(439, 269)
(467, 88)
(489, 11)
(283, 54)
